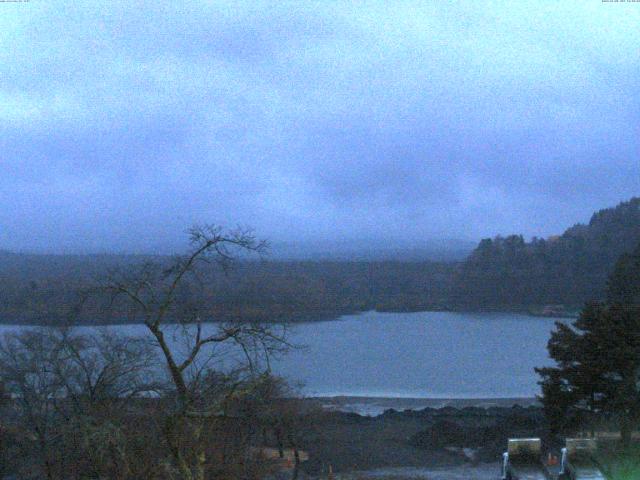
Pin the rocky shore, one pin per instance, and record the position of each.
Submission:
(373, 406)
(451, 435)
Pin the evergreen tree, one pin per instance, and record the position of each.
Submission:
(598, 358)
(570, 269)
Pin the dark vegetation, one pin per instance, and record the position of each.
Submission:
(49, 289)
(596, 380)
(569, 270)
(78, 406)
(486, 430)
(594, 389)
(90, 405)
(553, 276)
(430, 437)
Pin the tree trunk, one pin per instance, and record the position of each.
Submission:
(1, 453)
(172, 429)
(280, 443)
(48, 468)
(200, 455)
(296, 456)
(625, 431)
(627, 418)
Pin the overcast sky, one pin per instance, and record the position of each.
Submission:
(122, 123)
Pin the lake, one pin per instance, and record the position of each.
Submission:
(424, 354)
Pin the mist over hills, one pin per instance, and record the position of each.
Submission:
(317, 281)
(363, 249)
(374, 250)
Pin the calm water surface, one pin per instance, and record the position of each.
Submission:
(425, 354)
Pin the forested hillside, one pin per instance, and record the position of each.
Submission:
(49, 289)
(508, 273)
(504, 273)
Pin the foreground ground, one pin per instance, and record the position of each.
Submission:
(461, 440)
(444, 440)
(461, 472)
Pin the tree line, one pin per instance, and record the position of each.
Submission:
(503, 273)
(48, 289)
(507, 273)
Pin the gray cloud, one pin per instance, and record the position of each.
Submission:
(121, 124)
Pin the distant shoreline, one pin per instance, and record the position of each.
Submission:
(373, 406)
(301, 320)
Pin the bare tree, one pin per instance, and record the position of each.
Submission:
(103, 368)
(68, 393)
(165, 299)
(101, 376)
(24, 367)
(97, 405)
